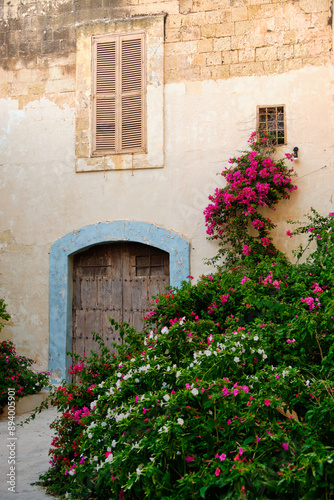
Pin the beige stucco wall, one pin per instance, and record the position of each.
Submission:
(221, 61)
(42, 198)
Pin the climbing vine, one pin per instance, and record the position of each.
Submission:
(236, 216)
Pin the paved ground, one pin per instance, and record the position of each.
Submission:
(31, 456)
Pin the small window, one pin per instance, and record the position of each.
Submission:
(150, 265)
(271, 120)
(119, 94)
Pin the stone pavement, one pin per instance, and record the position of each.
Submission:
(30, 448)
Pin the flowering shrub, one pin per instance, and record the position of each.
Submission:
(254, 181)
(227, 393)
(15, 370)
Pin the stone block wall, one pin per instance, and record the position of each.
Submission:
(204, 39)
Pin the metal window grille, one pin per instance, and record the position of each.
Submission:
(271, 120)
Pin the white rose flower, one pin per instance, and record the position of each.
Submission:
(180, 421)
(194, 391)
(166, 397)
(236, 359)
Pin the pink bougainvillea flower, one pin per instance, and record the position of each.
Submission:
(258, 439)
(316, 288)
(241, 450)
(224, 298)
(246, 250)
(225, 391)
(190, 459)
(289, 233)
(285, 446)
(267, 402)
(217, 472)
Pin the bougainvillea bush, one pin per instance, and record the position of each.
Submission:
(15, 371)
(226, 394)
(254, 181)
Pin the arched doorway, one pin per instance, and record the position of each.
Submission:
(62, 254)
(114, 280)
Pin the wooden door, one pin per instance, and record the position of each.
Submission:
(115, 280)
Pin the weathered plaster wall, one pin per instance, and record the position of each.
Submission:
(222, 59)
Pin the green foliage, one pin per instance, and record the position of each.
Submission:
(228, 392)
(15, 372)
(4, 316)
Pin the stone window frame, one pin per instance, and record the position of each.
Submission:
(269, 121)
(153, 156)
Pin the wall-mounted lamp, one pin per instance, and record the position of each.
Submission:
(295, 153)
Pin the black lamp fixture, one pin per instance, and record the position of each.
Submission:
(295, 152)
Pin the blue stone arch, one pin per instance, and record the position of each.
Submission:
(60, 284)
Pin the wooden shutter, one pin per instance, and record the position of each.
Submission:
(105, 97)
(119, 91)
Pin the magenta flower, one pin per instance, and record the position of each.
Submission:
(285, 446)
(267, 402)
(190, 459)
(246, 250)
(217, 472)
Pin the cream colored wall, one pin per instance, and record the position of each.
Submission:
(221, 60)
(43, 198)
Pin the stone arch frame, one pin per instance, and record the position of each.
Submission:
(60, 275)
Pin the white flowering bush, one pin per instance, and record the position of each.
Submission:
(228, 393)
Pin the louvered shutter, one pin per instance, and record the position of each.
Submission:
(132, 94)
(105, 97)
(119, 94)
